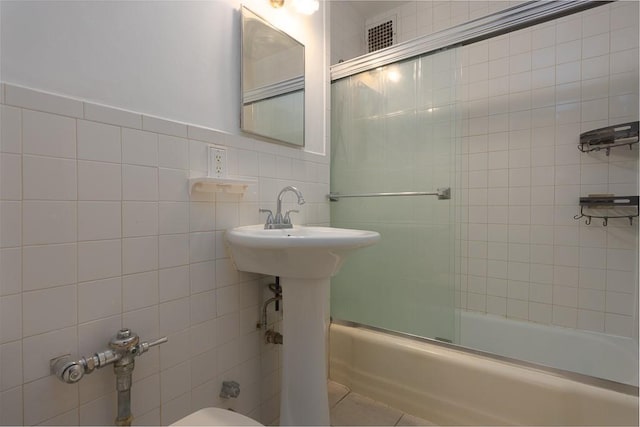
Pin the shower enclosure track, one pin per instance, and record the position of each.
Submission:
(511, 19)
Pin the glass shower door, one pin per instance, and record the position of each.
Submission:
(394, 129)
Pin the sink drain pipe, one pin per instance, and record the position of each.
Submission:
(270, 335)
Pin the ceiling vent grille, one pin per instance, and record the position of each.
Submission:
(380, 35)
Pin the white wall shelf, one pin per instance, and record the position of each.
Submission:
(211, 184)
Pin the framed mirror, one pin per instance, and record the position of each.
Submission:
(272, 86)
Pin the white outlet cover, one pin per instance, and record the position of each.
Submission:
(217, 162)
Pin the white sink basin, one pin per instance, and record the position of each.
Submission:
(304, 258)
(298, 252)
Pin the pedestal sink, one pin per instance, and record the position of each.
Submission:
(304, 258)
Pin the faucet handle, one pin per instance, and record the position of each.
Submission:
(269, 222)
(143, 347)
(269, 217)
(287, 218)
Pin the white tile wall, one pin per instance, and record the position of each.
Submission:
(414, 19)
(99, 231)
(527, 96)
(540, 264)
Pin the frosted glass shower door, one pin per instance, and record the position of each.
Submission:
(393, 130)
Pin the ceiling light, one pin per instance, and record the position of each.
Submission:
(307, 7)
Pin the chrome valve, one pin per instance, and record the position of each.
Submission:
(123, 347)
(145, 346)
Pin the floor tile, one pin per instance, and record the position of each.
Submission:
(410, 420)
(336, 393)
(357, 410)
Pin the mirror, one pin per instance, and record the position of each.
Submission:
(272, 82)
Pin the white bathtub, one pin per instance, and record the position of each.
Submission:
(594, 354)
(453, 387)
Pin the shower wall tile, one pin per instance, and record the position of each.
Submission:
(97, 412)
(139, 254)
(562, 78)
(162, 126)
(99, 259)
(173, 250)
(198, 156)
(108, 236)
(11, 370)
(49, 309)
(11, 132)
(202, 276)
(171, 355)
(48, 134)
(139, 147)
(11, 407)
(99, 181)
(173, 184)
(98, 141)
(48, 266)
(112, 116)
(10, 271)
(10, 177)
(173, 152)
(173, 217)
(10, 223)
(99, 220)
(139, 219)
(47, 397)
(139, 183)
(11, 316)
(60, 181)
(99, 299)
(140, 290)
(47, 222)
(35, 100)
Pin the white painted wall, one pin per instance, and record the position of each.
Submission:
(177, 60)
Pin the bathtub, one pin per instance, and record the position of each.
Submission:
(450, 386)
(598, 355)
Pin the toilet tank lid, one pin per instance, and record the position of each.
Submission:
(216, 417)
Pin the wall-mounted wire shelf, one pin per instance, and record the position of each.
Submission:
(442, 193)
(608, 202)
(608, 137)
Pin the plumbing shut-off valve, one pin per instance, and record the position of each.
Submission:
(230, 389)
(124, 347)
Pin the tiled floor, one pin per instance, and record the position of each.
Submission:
(352, 409)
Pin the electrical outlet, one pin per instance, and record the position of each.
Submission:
(217, 162)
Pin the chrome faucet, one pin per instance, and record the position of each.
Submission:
(279, 220)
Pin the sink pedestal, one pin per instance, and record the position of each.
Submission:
(304, 258)
(304, 399)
